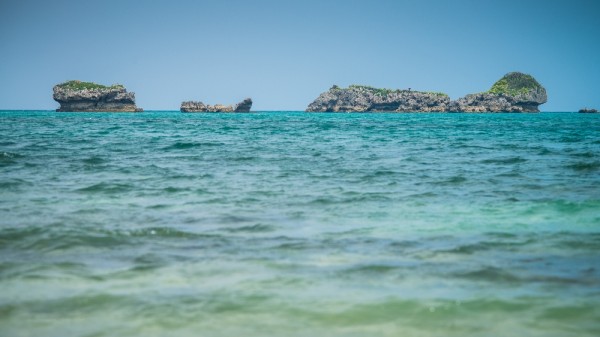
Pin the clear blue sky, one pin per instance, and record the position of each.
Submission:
(284, 53)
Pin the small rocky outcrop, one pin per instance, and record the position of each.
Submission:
(360, 98)
(243, 106)
(196, 106)
(515, 92)
(91, 97)
(588, 111)
(193, 106)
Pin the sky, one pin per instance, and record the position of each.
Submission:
(283, 54)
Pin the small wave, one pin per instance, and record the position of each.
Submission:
(571, 139)
(84, 304)
(405, 244)
(424, 195)
(182, 146)
(455, 180)
(16, 235)
(572, 313)
(9, 158)
(584, 155)
(293, 245)
(564, 206)
(158, 206)
(191, 176)
(511, 174)
(491, 242)
(106, 188)
(149, 261)
(502, 235)
(172, 189)
(468, 249)
(349, 198)
(234, 219)
(48, 239)
(9, 155)
(324, 201)
(44, 271)
(190, 145)
(371, 269)
(587, 241)
(94, 160)
(244, 158)
(13, 184)
(504, 161)
(545, 151)
(379, 173)
(380, 312)
(490, 274)
(165, 232)
(563, 280)
(257, 228)
(585, 166)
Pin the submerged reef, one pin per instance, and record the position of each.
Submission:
(196, 106)
(515, 92)
(92, 97)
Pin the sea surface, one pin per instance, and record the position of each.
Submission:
(299, 224)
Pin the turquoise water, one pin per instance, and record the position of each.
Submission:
(295, 224)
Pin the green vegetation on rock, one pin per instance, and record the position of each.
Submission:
(385, 91)
(437, 93)
(375, 91)
(514, 84)
(78, 85)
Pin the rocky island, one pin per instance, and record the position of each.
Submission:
(361, 98)
(196, 106)
(92, 97)
(515, 92)
(588, 111)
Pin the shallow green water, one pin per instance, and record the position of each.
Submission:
(295, 224)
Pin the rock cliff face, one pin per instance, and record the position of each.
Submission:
(87, 96)
(515, 92)
(358, 98)
(490, 102)
(194, 106)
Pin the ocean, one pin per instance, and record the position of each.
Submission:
(299, 224)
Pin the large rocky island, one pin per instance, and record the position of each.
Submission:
(361, 98)
(515, 92)
(92, 97)
(197, 106)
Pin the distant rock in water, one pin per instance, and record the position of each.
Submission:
(588, 111)
(243, 106)
(515, 92)
(195, 106)
(360, 98)
(88, 96)
(192, 106)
